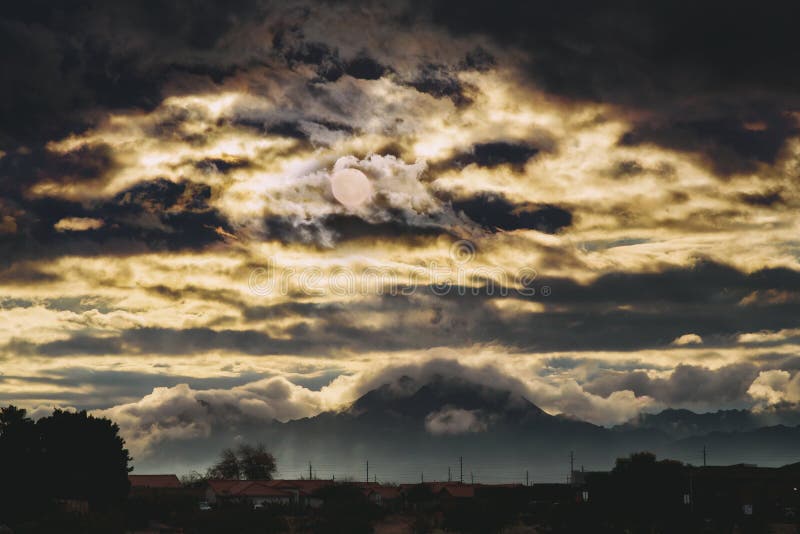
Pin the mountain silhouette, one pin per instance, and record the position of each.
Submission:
(409, 429)
(409, 399)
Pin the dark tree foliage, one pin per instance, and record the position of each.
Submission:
(643, 493)
(250, 462)
(256, 463)
(227, 467)
(88, 456)
(345, 509)
(67, 455)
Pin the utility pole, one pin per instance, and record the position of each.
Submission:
(309, 470)
(461, 469)
(471, 478)
(704, 456)
(375, 478)
(367, 471)
(448, 473)
(526, 478)
(571, 466)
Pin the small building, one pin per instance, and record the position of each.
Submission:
(156, 488)
(383, 496)
(154, 481)
(222, 492)
(455, 491)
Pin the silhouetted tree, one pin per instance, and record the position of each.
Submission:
(84, 457)
(194, 480)
(251, 462)
(255, 462)
(20, 466)
(648, 493)
(68, 455)
(226, 467)
(345, 509)
(12, 418)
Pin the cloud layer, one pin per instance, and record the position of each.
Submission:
(598, 212)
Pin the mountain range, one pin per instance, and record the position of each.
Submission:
(409, 431)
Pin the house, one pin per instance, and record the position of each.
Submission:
(546, 494)
(154, 481)
(746, 490)
(305, 493)
(156, 487)
(263, 492)
(384, 496)
(455, 491)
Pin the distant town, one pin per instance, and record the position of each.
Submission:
(641, 494)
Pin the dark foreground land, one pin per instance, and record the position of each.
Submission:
(641, 494)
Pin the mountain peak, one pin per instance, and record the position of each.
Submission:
(409, 397)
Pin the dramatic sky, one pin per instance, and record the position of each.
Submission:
(594, 205)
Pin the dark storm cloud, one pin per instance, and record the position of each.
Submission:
(81, 344)
(706, 281)
(492, 154)
(300, 129)
(494, 213)
(624, 311)
(223, 165)
(365, 68)
(730, 144)
(154, 215)
(478, 59)
(686, 384)
(619, 311)
(291, 44)
(350, 227)
(715, 77)
(24, 273)
(19, 171)
(345, 227)
(776, 360)
(491, 212)
(63, 59)
(441, 81)
(333, 332)
(765, 199)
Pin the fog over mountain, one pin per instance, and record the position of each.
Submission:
(409, 429)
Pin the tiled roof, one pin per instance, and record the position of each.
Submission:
(387, 492)
(247, 488)
(154, 481)
(303, 486)
(458, 490)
